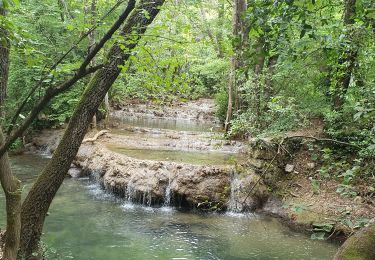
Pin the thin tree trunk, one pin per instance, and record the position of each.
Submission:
(4, 60)
(10, 184)
(259, 65)
(219, 35)
(12, 189)
(347, 60)
(36, 204)
(107, 110)
(239, 32)
(90, 12)
(232, 80)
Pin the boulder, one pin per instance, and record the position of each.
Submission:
(360, 246)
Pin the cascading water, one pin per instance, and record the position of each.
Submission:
(167, 196)
(234, 204)
(130, 192)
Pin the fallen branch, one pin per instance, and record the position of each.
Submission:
(95, 137)
(321, 140)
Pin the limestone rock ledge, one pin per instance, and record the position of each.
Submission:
(207, 188)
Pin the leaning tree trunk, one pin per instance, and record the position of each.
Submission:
(347, 59)
(36, 204)
(10, 184)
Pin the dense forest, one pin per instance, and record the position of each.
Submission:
(286, 70)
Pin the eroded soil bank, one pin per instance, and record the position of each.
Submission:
(158, 155)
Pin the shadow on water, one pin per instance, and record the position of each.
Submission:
(87, 223)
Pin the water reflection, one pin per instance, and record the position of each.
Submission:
(86, 223)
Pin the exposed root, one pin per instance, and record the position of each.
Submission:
(95, 137)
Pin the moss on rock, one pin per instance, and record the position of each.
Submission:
(360, 246)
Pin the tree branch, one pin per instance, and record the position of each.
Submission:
(322, 140)
(39, 83)
(82, 72)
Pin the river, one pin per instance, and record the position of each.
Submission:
(85, 222)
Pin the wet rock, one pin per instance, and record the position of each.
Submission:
(191, 186)
(360, 246)
(248, 192)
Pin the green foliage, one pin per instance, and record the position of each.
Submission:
(16, 145)
(320, 230)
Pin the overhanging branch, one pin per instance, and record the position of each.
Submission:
(81, 72)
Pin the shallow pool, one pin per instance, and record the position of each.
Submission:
(87, 223)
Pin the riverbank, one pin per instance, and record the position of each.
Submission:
(163, 155)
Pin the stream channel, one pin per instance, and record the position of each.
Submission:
(85, 222)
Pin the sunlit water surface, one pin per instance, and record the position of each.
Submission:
(86, 223)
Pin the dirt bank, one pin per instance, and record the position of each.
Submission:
(302, 198)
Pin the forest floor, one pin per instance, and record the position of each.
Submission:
(299, 199)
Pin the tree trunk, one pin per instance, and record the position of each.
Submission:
(219, 35)
(90, 12)
(10, 184)
(239, 31)
(4, 60)
(12, 189)
(347, 60)
(259, 65)
(36, 204)
(231, 84)
(107, 110)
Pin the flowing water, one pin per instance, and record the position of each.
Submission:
(87, 223)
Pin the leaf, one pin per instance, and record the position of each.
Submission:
(70, 27)
(326, 227)
(318, 235)
(146, 14)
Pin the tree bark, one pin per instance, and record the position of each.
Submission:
(90, 11)
(347, 60)
(219, 35)
(10, 184)
(36, 204)
(12, 189)
(4, 60)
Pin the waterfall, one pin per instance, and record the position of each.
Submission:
(235, 188)
(167, 196)
(146, 198)
(130, 192)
